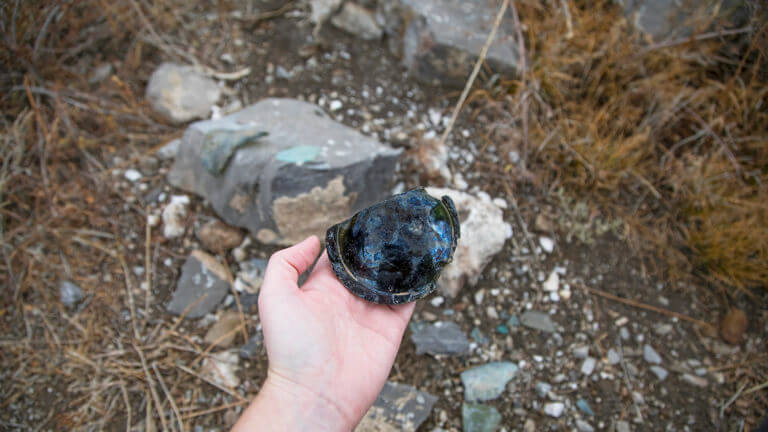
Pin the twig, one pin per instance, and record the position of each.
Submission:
(699, 37)
(213, 410)
(128, 414)
(523, 79)
(168, 396)
(151, 384)
(520, 221)
(211, 382)
(240, 312)
(128, 288)
(44, 30)
(475, 71)
(756, 388)
(640, 305)
(627, 377)
(731, 400)
(568, 20)
(147, 269)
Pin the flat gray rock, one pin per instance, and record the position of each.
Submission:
(442, 337)
(537, 320)
(439, 40)
(650, 355)
(487, 382)
(664, 19)
(202, 285)
(479, 417)
(399, 407)
(180, 93)
(307, 173)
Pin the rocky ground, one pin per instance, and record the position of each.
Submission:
(548, 321)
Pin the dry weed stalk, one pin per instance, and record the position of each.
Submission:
(114, 363)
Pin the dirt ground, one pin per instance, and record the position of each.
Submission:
(89, 368)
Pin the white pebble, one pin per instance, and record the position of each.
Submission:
(547, 244)
(554, 409)
(132, 175)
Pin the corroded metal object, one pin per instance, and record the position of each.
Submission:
(393, 252)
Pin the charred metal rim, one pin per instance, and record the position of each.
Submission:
(356, 287)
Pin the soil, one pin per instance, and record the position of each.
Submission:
(378, 97)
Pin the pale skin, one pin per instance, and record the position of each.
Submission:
(329, 351)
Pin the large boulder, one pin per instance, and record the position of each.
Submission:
(282, 169)
(439, 40)
(483, 234)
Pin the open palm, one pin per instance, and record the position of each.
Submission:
(324, 339)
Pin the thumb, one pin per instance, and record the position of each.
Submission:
(286, 265)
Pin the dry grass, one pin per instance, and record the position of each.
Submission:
(110, 362)
(671, 137)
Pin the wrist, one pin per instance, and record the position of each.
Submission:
(287, 406)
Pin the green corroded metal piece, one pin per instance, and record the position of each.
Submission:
(299, 155)
(220, 145)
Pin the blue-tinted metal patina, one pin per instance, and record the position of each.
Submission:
(393, 252)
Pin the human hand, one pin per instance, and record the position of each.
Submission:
(329, 351)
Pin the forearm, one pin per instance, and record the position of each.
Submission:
(284, 406)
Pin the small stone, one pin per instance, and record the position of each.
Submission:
(584, 426)
(216, 236)
(537, 320)
(552, 284)
(487, 382)
(554, 409)
(584, 407)
(650, 355)
(588, 366)
(660, 372)
(251, 349)
(565, 294)
(100, 73)
(222, 368)
(479, 417)
(335, 105)
(479, 337)
(733, 326)
(581, 351)
(543, 224)
(662, 329)
(542, 388)
(436, 301)
(622, 426)
(174, 215)
(201, 287)
(398, 407)
(180, 93)
(547, 244)
(695, 381)
(442, 337)
(70, 293)
(251, 276)
(624, 333)
(613, 357)
(224, 330)
(502, 329)
(132, 175)
(358, 21)
(529, 425)
(513, 321)
(491, 312)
